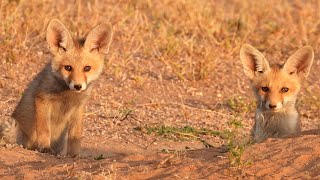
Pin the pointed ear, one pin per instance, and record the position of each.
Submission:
(253, 62)
(300, 62)
(99, 38)
(58, 37)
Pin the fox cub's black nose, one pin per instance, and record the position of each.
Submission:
(272, 106)
(77, 87)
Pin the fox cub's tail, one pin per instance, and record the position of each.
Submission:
(8, 131)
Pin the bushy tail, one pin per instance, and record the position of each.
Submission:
(8, 131)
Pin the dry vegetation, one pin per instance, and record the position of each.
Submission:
(173, 64)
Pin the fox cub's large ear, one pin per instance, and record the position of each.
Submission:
(253, 62)
(58, 37)
(99, 38)
(300, 62)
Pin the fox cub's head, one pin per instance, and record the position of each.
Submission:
(276, 86)
(77, 62)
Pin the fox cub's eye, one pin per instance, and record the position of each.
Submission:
(284, 89)
(265, 89)
(87, 68)
(68, 68)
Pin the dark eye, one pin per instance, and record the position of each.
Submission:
(68, 68)
(87, 68)
(284, 89)
(265, 89)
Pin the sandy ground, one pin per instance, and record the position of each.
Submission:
(127, 151)
(273, 159)
(174, 64)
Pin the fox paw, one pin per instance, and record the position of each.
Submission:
(73, 155)
(46, 150)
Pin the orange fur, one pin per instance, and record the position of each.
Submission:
(276, 88)
(50, 113)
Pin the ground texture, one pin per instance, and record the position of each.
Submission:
(173, 101)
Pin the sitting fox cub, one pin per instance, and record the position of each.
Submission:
(276, 88)
(50, 114)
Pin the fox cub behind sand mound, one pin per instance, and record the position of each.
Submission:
(50, 114)
(276, 88)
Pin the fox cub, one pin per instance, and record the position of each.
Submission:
(50, 113)
(276, 88)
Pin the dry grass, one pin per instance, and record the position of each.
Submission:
(184, 39)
